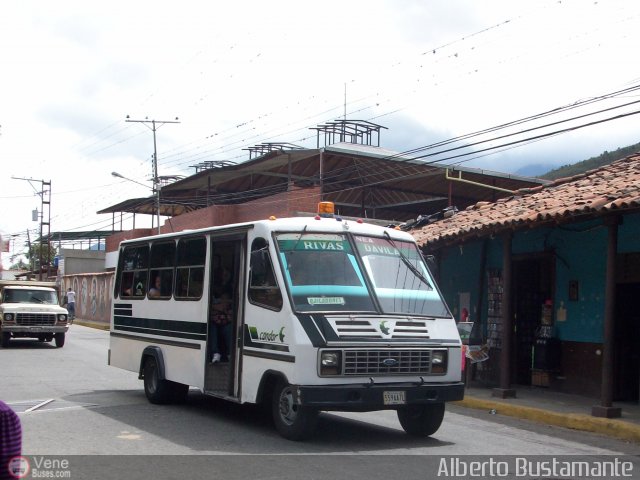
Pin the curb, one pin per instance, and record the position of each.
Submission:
(90, 324)
(575, 421)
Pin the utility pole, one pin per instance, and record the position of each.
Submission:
(45, 204)
(156, 180)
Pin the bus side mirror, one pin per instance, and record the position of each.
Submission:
(430, 260)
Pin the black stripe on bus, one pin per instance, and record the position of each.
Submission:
(173, 343)
(162, 333)
(164, 328)
(123, 311)
(159, 324)
(123, 305)
(270, 355)
(311, 329)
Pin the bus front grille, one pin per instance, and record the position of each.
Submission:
(367, 327)
(384, 362)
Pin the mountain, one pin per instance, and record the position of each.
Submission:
(589, 164)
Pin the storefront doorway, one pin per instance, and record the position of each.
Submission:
(626, 351)
(533, 280)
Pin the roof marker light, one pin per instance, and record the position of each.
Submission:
(272, 217)
(326, 209)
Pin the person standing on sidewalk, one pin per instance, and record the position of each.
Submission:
(71, 303)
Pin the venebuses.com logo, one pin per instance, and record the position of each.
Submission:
(38, 467)
(19, 467)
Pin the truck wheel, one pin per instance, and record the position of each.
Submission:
(421, 420)
(157, 390)
(59, 339)
(292, 421)
(6, 338)
(179, 391)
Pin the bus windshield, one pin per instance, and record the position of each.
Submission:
(400, 278)
(322, 274)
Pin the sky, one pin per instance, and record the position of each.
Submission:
(236, 74)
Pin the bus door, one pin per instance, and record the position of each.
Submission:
(222, 369)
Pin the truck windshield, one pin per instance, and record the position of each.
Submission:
(322, 274)
(47, 297)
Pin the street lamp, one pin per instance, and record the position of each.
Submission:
(156, 192)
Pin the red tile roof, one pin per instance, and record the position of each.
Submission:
(593, 193)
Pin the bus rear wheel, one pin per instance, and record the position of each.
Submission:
(292, 421)
(161, 391)
(421, 420)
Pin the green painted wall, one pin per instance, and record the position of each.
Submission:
(580, 255)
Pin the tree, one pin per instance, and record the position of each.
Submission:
(19, 265)
(33, 254)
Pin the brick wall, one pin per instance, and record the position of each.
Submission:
(285, 204)
(114, 240)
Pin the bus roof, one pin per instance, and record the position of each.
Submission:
(292, 224)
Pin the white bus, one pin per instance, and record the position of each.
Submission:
(317, 314)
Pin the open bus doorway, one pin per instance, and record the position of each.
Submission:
(222, 359)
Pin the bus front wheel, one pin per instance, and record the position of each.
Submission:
(421, 420)
(292, 421)
(6, 339)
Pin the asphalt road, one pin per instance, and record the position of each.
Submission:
(98, 419)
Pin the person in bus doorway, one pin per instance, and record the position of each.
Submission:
(221, 326)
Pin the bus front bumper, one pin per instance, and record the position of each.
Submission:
(369, 397)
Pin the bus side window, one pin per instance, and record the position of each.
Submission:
(133, 281)
(190, 268)
(163, 256)
(263, 288)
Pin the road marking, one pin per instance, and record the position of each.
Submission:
(41, 404)
(49, 405)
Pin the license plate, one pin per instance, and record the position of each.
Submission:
(394, 398)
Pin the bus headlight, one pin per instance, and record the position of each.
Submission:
(62, 317)
(8, 317)
(438, 361)
(330, 361)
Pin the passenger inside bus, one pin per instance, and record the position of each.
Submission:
(154, 291)
(221, 328)
(221, 316)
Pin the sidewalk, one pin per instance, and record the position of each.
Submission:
(541, 405)
(90, 323)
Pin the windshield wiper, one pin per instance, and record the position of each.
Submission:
(407, 262)
(295, 245)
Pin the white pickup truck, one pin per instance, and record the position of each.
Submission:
(31, 309)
